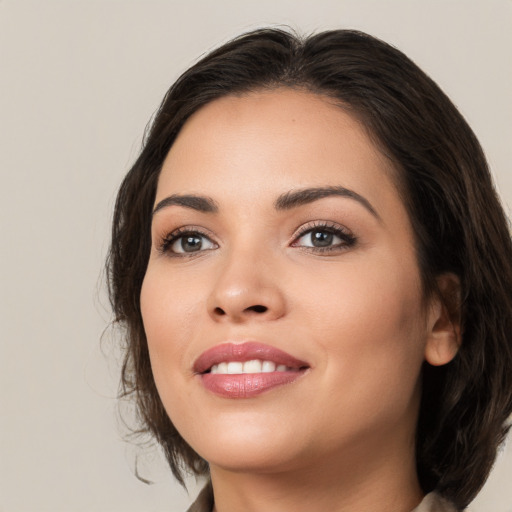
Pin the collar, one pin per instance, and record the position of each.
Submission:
(432, 502)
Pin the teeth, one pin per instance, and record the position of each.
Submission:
(235, 367)
(252, 366)
(268, 366)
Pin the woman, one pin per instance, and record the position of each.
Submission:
(314, 273)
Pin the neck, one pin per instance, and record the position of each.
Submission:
(384, 480)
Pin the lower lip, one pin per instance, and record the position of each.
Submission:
(247, 385)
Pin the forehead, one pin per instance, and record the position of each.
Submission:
(261, 143)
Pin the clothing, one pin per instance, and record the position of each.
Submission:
(431, 503)
(204, 501)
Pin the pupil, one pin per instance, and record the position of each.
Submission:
(322, 239)
(191, 243)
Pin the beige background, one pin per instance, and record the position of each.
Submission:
(78, 82)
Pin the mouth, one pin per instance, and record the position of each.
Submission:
(252, 366)
(244, 370)
(248, 357)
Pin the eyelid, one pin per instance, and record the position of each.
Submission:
(345, 234)
(165, 241)
(321, 224)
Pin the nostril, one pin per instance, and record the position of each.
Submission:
(219, 311)
(257, 309)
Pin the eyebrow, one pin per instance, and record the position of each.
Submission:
(286, 201)
(194, 202)
(300, 197)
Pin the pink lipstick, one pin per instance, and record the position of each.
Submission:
(244, 370)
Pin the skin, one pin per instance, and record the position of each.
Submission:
(341, 437)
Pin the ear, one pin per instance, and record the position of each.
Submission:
(444, 322)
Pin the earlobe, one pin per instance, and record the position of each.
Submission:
(444, 322)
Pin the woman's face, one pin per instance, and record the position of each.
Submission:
(279, 238)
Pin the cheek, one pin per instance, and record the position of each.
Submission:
(363, 293)
(168, 308)
(369, 329)
(167, 304)
(367, 319)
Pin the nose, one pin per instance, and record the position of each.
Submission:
(246, 288)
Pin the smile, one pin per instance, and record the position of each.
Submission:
(245, 370)
(252, 366)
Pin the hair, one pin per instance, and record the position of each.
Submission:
(444, 181)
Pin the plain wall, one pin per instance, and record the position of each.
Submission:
(78, 82)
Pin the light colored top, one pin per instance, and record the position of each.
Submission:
(432, 502)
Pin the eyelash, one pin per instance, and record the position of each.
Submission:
(348, 239)
(175, 235)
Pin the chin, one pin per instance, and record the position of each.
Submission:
(247, 447)
(253, 459)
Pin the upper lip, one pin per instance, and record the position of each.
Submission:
(246, 351)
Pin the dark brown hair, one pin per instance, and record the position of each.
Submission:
(445, 183)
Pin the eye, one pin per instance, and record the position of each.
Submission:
(324, 237)
(184, 241)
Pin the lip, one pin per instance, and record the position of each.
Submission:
(245, 352)
(246, 385)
